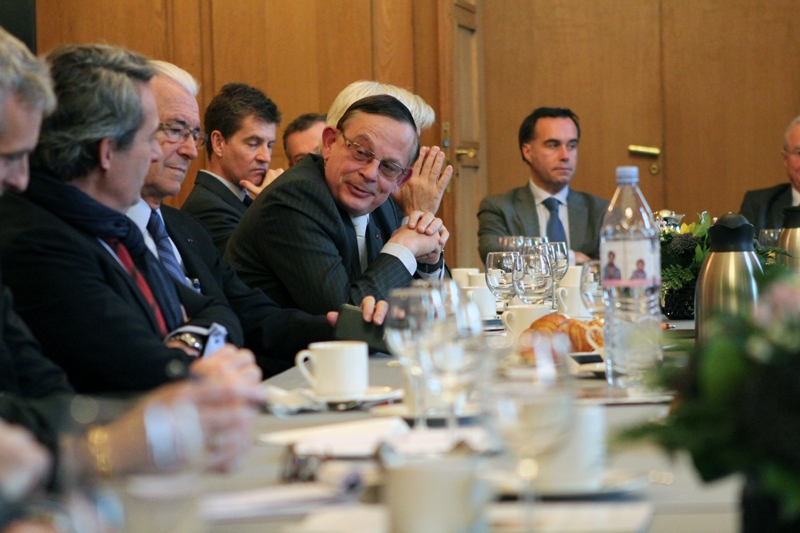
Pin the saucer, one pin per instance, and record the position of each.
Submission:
(436, 419)
(616, 482)
(373, 393)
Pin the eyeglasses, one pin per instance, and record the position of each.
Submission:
(389, 169)
(177, 132)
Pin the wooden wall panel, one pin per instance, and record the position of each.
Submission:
(732, 85)
(426, 64)
(393, 42)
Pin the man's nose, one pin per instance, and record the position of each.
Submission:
(188, 148)
(371, 170)
(563, 152)
(263, 155)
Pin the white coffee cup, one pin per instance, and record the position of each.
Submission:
(461, 275)
(572, 278)
(484, 299)
(578, 464)
(591, 331)
(436, 495)
(570, 302)
(518, 318)
(477, 280)
(340, 369)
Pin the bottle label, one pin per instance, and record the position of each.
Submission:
(630, 263)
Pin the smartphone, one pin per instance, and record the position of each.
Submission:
(351, 327)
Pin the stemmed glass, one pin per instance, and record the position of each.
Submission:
(592, 289)
(532, 277)
(530, 244)
(409, 326)
(533, 417)
(500, 274)
(559, 263)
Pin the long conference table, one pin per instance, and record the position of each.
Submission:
(681, 502)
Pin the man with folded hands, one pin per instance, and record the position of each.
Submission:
(186, 247)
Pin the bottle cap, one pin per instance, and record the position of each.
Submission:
(627, 175)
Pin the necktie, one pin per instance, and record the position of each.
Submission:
(555, 229)
(127, 261)
(155, 226)
(360, 224)
(247, 200)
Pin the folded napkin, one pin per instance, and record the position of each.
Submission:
(361, 438)
(628, 517)
(282, 401)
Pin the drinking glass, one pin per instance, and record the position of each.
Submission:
(512, 243)
(769, 237)
(500, 274)
(532, 277)
(530, 244)
(558, 255)
(408, 326)
(592, 288)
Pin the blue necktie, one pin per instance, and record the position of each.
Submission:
(555, 229)
(247, 200)
(155, 226)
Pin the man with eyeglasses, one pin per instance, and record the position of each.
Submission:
(186, 248)
(763, 208)
(241, 123)
(324, 234)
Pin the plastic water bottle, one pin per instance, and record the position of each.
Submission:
(630, 259)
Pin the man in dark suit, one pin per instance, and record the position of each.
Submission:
(546, 206)
(275, 335)
(77, 265)
(241, 123)
(324, 234)
(763, 208)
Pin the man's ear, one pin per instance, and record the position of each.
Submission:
(105, 153)
(328, 138)
(526, 152)
(216, 142)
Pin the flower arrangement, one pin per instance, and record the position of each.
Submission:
(683, 252)
(737, 407)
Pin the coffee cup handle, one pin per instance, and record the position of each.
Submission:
(590, 338)
(507, 319)
(561, 295)
(300, 361)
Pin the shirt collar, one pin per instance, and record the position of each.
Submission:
(540, 195)
(795, 197)
(140, 215)
(235, 189)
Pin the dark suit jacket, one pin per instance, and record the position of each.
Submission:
(763, 208)
(216, 206)
(85, 309)
(275, 335)
(300, 248)
(514, 213)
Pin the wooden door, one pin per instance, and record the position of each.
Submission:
(600, 59)
(461, 100)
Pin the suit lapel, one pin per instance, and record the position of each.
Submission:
(212, 184)
(525, 212)
(578, 220)
(350, 256)
(782, 201)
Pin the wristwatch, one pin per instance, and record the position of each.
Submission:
(190, 340)
(429, 269)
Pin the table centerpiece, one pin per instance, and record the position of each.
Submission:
(684, 247)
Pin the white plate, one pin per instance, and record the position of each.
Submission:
(402, 410)
(615, 483)
(373, 394)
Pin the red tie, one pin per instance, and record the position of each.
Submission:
(127, 261)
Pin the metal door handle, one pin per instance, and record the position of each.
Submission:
(644, 150)
(468, 152)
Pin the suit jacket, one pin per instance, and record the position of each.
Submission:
(85, 309)
(514, 213)
(763, 208)
(300, 248)
(216, 206)
(275, 335)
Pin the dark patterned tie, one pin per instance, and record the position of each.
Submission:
(247, 200)
(155, 226)
(555, 229)
(127, 261)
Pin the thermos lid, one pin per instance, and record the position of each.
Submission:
(731, 233)
(791, 217)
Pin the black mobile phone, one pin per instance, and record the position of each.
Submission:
(351, 327)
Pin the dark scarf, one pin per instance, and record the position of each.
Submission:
(84, 213)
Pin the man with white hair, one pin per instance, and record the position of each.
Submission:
(763, 208)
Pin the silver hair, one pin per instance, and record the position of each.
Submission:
(176, 74)
(789, 129)
(99, 97)
(424, 115)
(23, 75)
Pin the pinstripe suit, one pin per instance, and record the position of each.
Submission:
(299, 247)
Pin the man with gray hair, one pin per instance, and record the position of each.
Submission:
(99, 303)
(763, 208)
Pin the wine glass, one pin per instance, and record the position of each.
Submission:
(500, 274)
(532, 277)
(456, 358)
(559, 263)
(530, 244)
(592, 288)
(511, 243)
